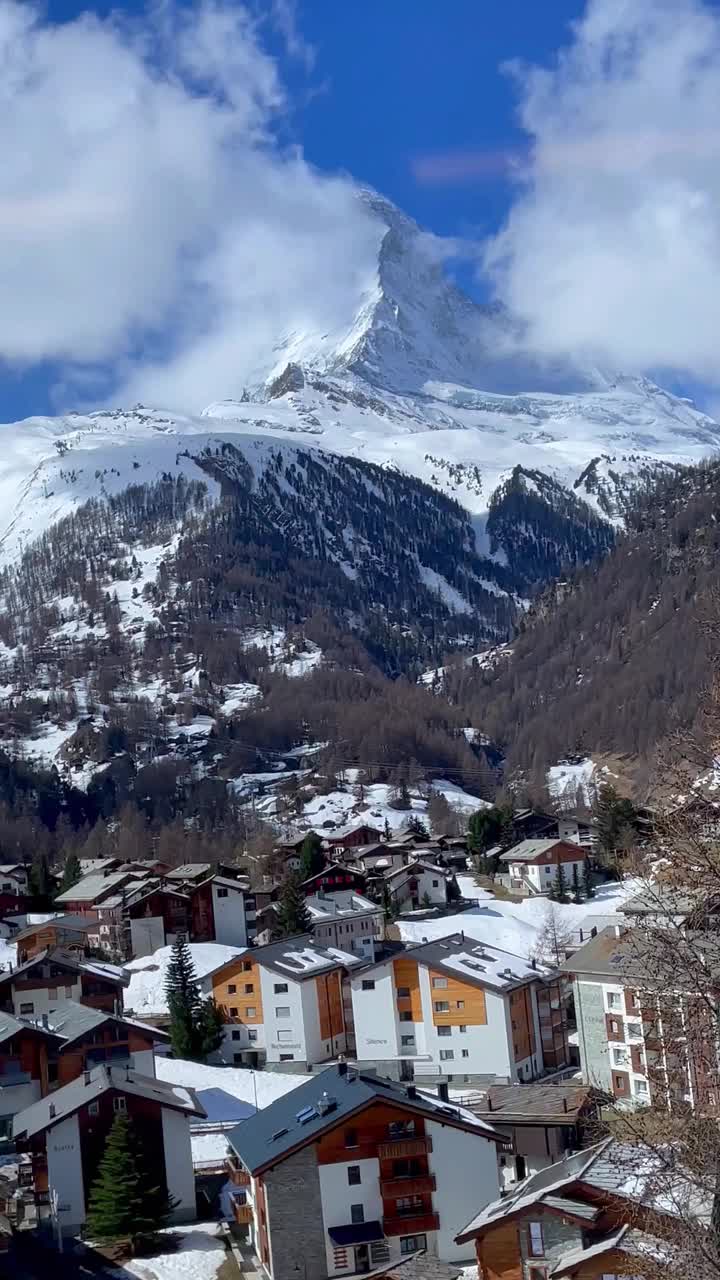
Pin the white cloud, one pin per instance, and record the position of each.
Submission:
(151, 227)
(612, 247)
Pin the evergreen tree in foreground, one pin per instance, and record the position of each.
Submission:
(126, 1202)
(196, 1025)
(293, 914)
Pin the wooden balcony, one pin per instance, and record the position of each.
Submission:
(242, 1213)
(399, 1148)
(417, 1185)
(235, 1173)
(411, 1226)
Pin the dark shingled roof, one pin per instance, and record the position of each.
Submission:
(335, 1094)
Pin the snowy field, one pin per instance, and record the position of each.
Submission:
(517, 926)
(199, 1255)
(565, 780)
(257, 1087)
(146, 993)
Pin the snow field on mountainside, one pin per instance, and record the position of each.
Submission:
(565, 780)
(345, 809)
(517, 926)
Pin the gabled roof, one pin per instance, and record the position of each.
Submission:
(74, 924)
(73, 963)
(618, 1170)
(328, 1099)
(92, 1085)
(417, 864)
(303, 957)
(93, 886)
(548, 1182)
(71, 1021)
(330, 867)
(474, 962)
(11, 1026)
(529, 850)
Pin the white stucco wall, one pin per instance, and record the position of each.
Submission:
(65, 1173)
(466, 1169)
(229, 915)
(292, 998)
(42, 1001)
(489, 1046)
(377, 1030)
(178, 1163)
(337, 1197)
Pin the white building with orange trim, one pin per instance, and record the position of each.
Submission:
(286, 1003)
(459, 1009)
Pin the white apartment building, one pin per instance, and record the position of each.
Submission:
(351, 1172)
(286, 1003)
(459, 1009)
(614, 1055)
(347, 920)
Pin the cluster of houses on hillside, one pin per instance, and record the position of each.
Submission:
(438, 1113)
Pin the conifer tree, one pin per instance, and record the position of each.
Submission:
(559, 886)
(126, 1201)
(72, 872)
(293, 914)
(312, 858)
(40, 879)
(211, 1026)
(197, 1026)
(184, 1002)
(576, 887)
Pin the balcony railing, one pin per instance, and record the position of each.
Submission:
(237, 1176)
(415, 1185)
(398, 1148)
(242, 1213)
(411, 1226)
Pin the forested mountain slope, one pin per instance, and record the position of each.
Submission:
(614, 659)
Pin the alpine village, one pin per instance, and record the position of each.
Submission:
(360, 710)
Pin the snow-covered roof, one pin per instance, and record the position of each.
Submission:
(303, 957)
(345, 903)
(475, 962)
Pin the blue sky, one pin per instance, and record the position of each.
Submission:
(612, 243)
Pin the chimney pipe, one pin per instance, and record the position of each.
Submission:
(565, 1106)
(342, 1068)
(411, 1091)
(489, 1103)
(87, 1077)
(443, 1091)
(51, 1110)
(45, 1021)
